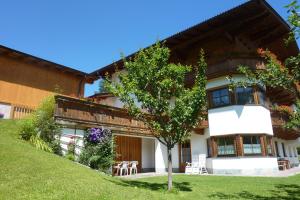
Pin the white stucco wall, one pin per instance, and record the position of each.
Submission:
(66, 135)
(243, 166)
(239, 119)
(161, 157)
(290, 149)
(222, 81)
(148, 153)
(198, 144)
(5, 109)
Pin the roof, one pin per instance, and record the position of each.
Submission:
(46, 63)
(238, 17)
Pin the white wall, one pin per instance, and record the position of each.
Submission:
(161, 157)
(5, 109)
(198, 144)
(66, 135)
(290, 149)
(239, 119)
(222, 81)
(148, 153)
(243, 166)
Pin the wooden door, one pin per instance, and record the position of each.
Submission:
(184, 155)
(129, 149)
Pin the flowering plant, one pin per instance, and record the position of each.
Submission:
(98, 151)
(97, 135)
(1, 115)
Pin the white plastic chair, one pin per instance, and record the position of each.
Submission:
(118, 167)
(202, 164)
(133, 167)
(124, 167)
(193, 167)
(188, 168)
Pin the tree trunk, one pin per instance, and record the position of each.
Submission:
(169, 168)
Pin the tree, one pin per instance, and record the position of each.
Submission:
(168, 106)
(277, 74)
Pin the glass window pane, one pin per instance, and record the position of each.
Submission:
(252, 145)
(220, 97)
(244, 95)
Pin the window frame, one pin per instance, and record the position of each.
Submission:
(260, 143)
(210, 95)
(257, 91)
(234, 146)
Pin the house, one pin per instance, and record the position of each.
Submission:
(25, 80)
(243, 134)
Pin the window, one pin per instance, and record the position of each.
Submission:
(244, 95)
(277, 150)
(291, 151)
(283, 149)
(225, 146)
(186, 152)
(220, 97)
(262, 100)
(209, 150)
(269, 146)
(251, 145)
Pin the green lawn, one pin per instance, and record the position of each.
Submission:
(27, 173)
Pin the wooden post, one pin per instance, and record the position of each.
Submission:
(239, 145)
(263, 145)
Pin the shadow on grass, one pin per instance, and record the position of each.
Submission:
(282, 191)
(177, 186)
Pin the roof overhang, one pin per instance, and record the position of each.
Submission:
(256, 19)
(45, 63)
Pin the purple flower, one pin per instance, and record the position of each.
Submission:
(98, 135)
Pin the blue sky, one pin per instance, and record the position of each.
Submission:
(87, 35)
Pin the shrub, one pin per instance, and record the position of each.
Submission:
(98, 151)
(40, 144)
(28, 128)
(41, 126)
(71, 151)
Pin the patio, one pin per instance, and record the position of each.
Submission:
(286, 173)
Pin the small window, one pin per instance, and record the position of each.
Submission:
(244, 95)
(269, 146)
(186, 152)
(277, 150)
(251, 145)
(283, 149)
(209, 150)
(225, 146)
(220, 97)
(262, 99)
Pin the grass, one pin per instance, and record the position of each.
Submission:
(27, 173)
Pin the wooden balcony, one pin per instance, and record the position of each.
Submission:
(81, 112)
(278, 121)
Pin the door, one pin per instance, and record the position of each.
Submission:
(129, 149)
(184, 155)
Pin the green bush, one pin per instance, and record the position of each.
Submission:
(40, 144)
(28, 128)
(41, 126)
(71, 151)
(98, 151)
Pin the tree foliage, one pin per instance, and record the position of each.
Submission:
(155, 92)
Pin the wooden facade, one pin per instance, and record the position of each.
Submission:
(129, 149)
(26, 80)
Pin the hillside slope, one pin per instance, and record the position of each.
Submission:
(27, 173)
